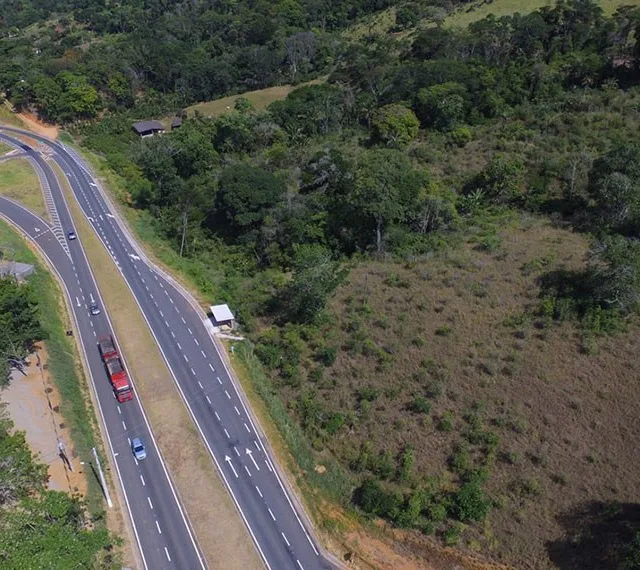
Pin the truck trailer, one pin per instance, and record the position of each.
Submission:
(116, 370)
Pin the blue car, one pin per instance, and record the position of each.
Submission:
(71, 235)
(138, 449)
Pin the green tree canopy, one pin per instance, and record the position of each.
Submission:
(395, 125)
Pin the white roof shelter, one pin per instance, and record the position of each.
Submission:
(221, 313)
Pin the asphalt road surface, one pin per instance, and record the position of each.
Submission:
(164, 536)
(276, 522)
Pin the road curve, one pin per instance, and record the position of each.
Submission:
(278, 525)
(164, 537)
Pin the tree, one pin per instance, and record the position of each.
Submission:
(502, 180)
(301, 49)
(315, 277)
(246, 194)
(395, 125)
(442, 106)
(614, 273)
(386, 186)
(614, 185)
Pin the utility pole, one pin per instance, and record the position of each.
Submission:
(102, 480)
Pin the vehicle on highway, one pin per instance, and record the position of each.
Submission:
(117, 372)
(138, 449)
(72, 235)
(95, 309)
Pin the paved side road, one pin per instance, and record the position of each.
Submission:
(275, 521)
(161, 529)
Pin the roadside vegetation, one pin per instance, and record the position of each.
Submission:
(434, 255)
(19, 182)
(38, 525)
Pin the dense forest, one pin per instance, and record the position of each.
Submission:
(406, 145)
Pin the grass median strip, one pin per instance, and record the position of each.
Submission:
(19, 182)
(219, 529)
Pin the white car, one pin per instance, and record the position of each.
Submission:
(72, 235)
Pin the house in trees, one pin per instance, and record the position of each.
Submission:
(176, 123)
(148, 128)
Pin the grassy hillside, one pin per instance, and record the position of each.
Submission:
(478, 10)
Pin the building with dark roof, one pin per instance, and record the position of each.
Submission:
(176, 123)
(148, 128)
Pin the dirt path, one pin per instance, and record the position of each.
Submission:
(32, 402)
(38, 126)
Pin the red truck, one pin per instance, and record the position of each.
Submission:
(117, 372)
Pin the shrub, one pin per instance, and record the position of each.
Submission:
(460, 136)
(447, 421)
(374, 500)
(326, 355)
(420, 405)
(470, 502)
(444, 330)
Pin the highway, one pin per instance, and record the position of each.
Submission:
(275, 521)
(164, 537)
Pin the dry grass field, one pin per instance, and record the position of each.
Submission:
(19, 182)
(460, 331)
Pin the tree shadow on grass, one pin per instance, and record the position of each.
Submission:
(598, 536)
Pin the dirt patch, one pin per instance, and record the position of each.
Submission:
(220, 532)
(32, 401)
(37, 126)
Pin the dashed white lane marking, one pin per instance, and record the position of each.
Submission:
(151, 295)
(200, 384)
(271, 513)
(150, 503)
(217, 416)
(190, 332)
(162, 314)
(185, 358)
(212, 368)
(256, 444)
(158, 527)
(166, 323)
(142, 479)
(236, 450)
(196, 341)
(119, 410)
(247, 427)
(247, 470)
(227, 433)
(285, 539)
(269, 466)
(124, 425)
(299, 565)
(259, 491)
(94, 333)
(167, 553)
(208, 400)
(171, 300)
(182, 319)
(179, 346)
(236, 409)
(203, 353)
(192, 371)
(218, 379)
(227, 393)
(173, 334)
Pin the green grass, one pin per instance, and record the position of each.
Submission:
(260, 99)
(19, 182)
(74, 405)
(471, 13)
(8, 117)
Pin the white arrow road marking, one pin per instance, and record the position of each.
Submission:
(110, 215)
(228, 460)
(134, 257)
(92, 184)
(90, 218)
(78, 301)
(250, 454)
(37, 229)
(92, 299)
(101, 218)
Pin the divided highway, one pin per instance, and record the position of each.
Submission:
(276, 523)
(162, 531)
